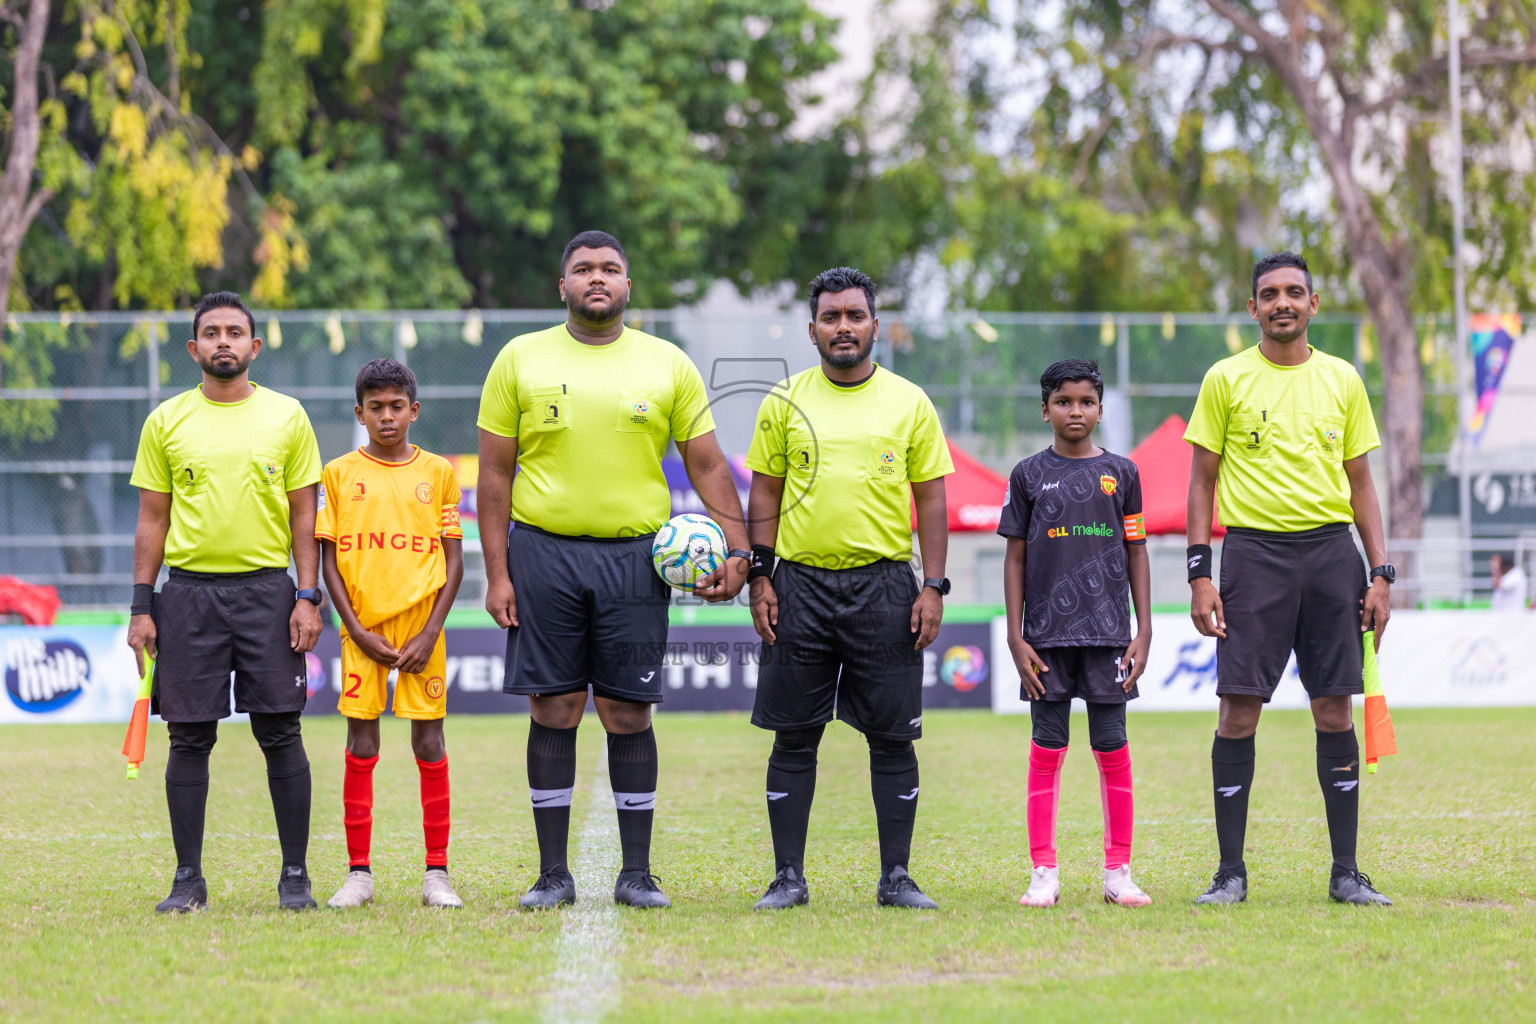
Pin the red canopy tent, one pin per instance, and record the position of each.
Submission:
(1163, 462)
(973, 494)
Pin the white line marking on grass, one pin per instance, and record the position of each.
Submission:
(585, 985)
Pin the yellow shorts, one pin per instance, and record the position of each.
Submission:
(365, 683)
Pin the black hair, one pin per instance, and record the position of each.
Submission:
(220, 300)
(385, 375)
(1276, 260)
(1059, 373)
(840, 279)
(593, 240)
(1506, 559)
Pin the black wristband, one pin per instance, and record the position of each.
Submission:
(143, 599)
(1199, 556)
(762, 562)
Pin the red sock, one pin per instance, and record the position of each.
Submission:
(434, 810)
(357, 806)
(1040, 812)
(1119, 809)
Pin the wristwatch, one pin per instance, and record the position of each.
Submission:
(312, 596)
(1386, 571)
(941, 584)
(738, 553)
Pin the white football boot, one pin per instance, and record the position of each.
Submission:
(437, 891)
(354, 892)
(1044, 889)
(1119, 888)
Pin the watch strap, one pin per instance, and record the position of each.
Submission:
(311, 594)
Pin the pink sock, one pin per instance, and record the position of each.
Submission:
(1119, 808)
(1040, 811)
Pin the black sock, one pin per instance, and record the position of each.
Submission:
(287, 781)
(791, 788)
(551, 779)
(632, 773)
(893, 782)
(186, 788)
(1232, 774)
(1338, 773)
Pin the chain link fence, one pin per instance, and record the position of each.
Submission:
(75, 391)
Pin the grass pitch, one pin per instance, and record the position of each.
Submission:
(1446, 831)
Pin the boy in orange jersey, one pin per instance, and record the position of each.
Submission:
(392, 553)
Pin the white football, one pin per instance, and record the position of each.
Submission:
(688, 548)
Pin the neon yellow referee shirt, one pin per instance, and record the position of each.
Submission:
(592, 423)
(1283, 434)
(228, 467)
(848, 457)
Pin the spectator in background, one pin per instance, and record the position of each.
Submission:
(1510, 587)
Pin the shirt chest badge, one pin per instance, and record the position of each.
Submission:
(424, 493)
(1108, 483)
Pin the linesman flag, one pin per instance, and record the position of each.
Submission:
(138, 725)
(1379, 738)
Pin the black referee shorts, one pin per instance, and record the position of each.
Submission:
(844, 647)
(591, 612)
(1291, 591)
(208, 625)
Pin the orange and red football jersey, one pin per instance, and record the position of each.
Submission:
(388, 521)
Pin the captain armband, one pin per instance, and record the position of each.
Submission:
(1135, 527)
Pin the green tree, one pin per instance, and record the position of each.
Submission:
(438, 152)
(1355, 89)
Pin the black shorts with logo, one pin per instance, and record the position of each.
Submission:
(1291, 591)
(208, 625)
(845, 647)
(1090, 674)
(591, 612)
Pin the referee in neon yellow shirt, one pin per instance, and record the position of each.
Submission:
(839, 454)
(583, 412)
(227, 476)
(1285, 429)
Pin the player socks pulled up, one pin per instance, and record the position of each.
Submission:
(1232, 777)
(435, 810)
(551, 779)
(1044, 789)
(791, 790)
(357, 808)
(1338, 773)
(632, 770)
(1119, 807)
(893, 784)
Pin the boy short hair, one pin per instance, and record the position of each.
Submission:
(385, 375)
(1059, 373)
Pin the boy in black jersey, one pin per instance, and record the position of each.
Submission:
(1076, 547)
